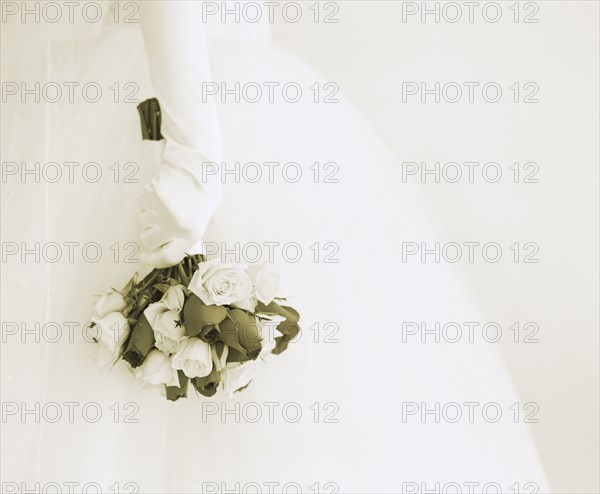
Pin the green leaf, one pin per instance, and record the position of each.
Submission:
(235, 356)
(280, 310)
(281, 344)
(197, 315)
(288, 328)
(289, 331)
(162, 287)
(240, 332)
(176, 392)
(130, 284)
(219, 348)
(243, 387)
(229, 335)
(295, 314)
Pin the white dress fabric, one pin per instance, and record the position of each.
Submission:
(359, 442)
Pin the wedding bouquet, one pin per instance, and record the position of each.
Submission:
(202, 321)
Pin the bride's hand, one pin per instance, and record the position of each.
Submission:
(176, 209)
(180, 199)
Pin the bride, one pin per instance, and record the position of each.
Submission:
(355, 405)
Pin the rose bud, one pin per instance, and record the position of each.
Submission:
(208, 385)
(109, 302)
(265, 281)
(111, 333)
(194, 358)
(157, 369)
(240, 331)
(174, 298)
(237, 376)
(168, 330)
(140, 342)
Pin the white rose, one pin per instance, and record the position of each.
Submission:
(248, 304)
(168, 331)
(236, 375)
(153, 310)
(174, 298)
(109, 302)
(193, 358)
(110, 332)
(265, 281)
(218, 283)
(157, 369)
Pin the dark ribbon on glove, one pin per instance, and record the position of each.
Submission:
(150, 115)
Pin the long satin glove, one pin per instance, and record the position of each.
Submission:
(182, 197)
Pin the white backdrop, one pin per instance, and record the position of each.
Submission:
(544, 57)
(371, 52)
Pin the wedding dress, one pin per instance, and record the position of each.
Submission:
(328, 415)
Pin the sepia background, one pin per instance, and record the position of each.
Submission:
(375, 48)
(371, 52)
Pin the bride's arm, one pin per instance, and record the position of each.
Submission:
(178, 59)
(180, 200)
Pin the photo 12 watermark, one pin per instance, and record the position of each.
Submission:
(469, 412)
(470, 487)
(70, 487)
(70, 12)
(71, 412)
(270, 487)
(72, 92)
(71, 172)
(469, 332)
(270, 92)
(470, 12)
(471, 172)
(470, 252)
(469, 92)
(270, 412)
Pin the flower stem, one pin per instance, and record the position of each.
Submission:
(148, 280)
(182, 274)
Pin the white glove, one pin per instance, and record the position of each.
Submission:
(179, 201)
(176, 209)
